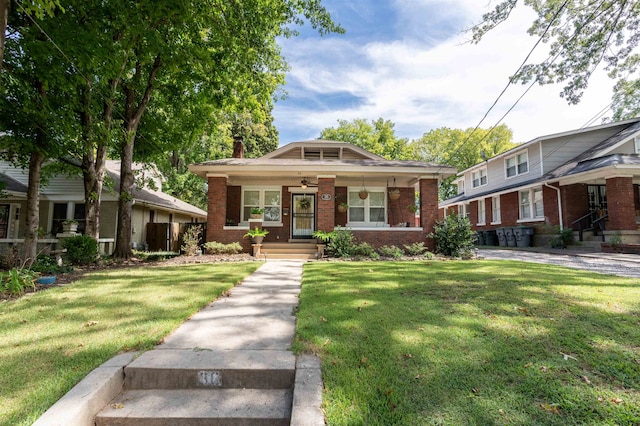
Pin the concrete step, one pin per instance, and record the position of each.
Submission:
(214, 369)
(290, 246)
(288, 256)
(195, 407)
(288, 250)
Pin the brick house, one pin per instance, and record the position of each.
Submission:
(582, 179)
(302, 185)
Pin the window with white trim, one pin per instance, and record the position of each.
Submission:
(517, 164)
(465, 210)
(495, 210)
(531, 206)
(479, 177)
(481, 212)
(370, 211)
(461, 186)
(269, 199)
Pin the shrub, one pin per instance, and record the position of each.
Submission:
(47, 264)
(364, 250)
(453, 236)
(428, 255)
(323, 236)
(81, 249)
(415, 249)
(393, 252)
(17, 280)
(562, 238)
(342, 243)
(10, 258)
(214, 247)
(191, 240)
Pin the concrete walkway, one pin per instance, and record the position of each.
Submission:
(253, 328)
(625, 265)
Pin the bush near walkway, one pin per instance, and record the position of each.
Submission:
(472, 343)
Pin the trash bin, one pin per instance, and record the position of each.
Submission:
(480, 238)
(490, 237)
(511, 237)
(502, 238)
(523, 235)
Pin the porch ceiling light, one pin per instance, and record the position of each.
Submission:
(304, 184)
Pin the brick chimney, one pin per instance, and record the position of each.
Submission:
(238, 147)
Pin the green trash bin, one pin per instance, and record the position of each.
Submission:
(502, 237)
(491, 237)
(511, 237)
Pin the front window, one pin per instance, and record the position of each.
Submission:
(517, 164)
(479, 177)
(495, 209)
(481, 212)
(4, 220)
(370, 211)
(268, 199)
(531, 205)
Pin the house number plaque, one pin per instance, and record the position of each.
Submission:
(325, 197)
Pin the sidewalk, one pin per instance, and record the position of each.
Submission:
(228, 341)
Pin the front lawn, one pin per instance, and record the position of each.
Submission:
(472, 343)
(51, 339)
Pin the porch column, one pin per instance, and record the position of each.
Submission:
(326, 203)
(428, 204)
(620, 204)
(217, 206)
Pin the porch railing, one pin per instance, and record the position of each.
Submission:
(590, 221)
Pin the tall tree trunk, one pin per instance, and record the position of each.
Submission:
(33, 208)
(132, 116)
(4, 17)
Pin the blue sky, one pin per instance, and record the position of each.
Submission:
(409, 61)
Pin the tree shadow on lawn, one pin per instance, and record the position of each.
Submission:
(473, 343)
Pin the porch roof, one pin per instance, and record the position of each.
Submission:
(13, 185)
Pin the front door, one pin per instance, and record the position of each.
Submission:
(303, 221)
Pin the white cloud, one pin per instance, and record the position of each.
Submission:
(420, 86)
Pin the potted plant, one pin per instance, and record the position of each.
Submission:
(413, 208)
(343, 207)
(363, 194)
(394, 193)
(256, 213)
(256, 234)
(69, 226)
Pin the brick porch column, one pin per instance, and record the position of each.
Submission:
(428, 205)
(326, 208)
(217, 206)
(620, 204)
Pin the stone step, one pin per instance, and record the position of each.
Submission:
(288, 250)
(213, 369)
(195, 407)
(288, 256)
(290, 246)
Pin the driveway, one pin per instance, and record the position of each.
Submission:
(625, 265)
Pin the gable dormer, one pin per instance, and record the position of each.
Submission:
(321, 150)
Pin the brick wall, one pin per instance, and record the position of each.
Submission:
(620, 203)
(340, 219)
(428, 207)
(473, 213)
(326, 219)
(234, 203)
(550, 202)
(217, 207)
(397, 238)
(398, 210)
(509, 209)
(575, 202)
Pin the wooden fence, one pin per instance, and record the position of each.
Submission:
(168, 236)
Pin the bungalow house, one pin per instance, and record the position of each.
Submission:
(304, 186)
(580, 179)
(62, 198)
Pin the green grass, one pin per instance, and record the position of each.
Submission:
(50, 340)
(472, 343)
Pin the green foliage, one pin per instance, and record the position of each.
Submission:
(214, 247)
(415, 249)
(364, 250)
(582, 36)
(391, 252)
(155, 256)
(17, 280)
(46, 264)
(342, 243)
(324, 236)
(376, 136)
(453, 236)
(256, 232)
(562, 238)
(257, 210)
(10, 258)
(81, 249)
(191, 240)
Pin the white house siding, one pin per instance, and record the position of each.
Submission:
(558, 151)
(626, 148)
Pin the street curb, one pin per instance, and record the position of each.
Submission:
(80, 405)
(307, 393)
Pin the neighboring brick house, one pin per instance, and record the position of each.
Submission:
(62, 197)
(585, 178)
(301, 186)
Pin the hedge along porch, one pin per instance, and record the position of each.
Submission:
(300, 188)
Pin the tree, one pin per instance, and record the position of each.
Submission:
(460, 148)
(376, 136)
(582, 35)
